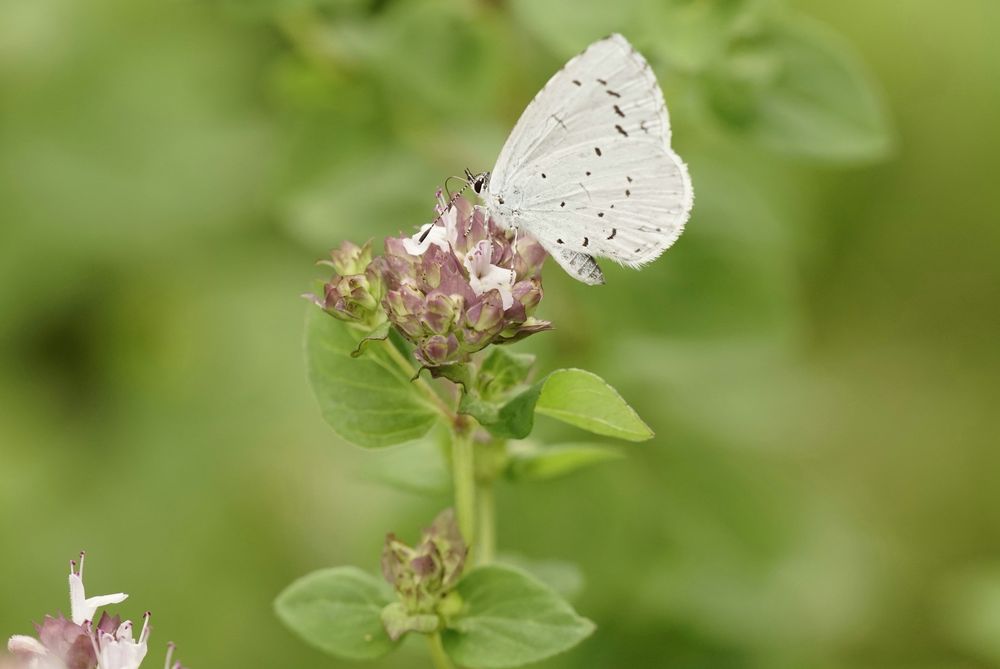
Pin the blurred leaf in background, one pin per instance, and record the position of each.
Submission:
(817, 355)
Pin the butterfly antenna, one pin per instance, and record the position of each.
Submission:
(447, 207)
(465, 186)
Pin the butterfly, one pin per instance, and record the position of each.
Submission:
(588, 169)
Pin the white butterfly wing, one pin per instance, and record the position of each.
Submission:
(588, 168)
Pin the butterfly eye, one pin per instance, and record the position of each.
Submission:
(478, 186)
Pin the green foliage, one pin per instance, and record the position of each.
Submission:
(513, 418)
(379, 333)
(368, 401)
(564, 577)
(399, 622)
(572, 396)
(502, 370)
(417, 467)
(686, 34)
(799, 88)
(510, 619)
(585, 400)
(541, 463)
(339, 611)
(971, 611)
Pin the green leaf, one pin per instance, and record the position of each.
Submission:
(511, 420)
(683, 34)
(585, 400)
(564, 577)
(398, 622)
(380, 333)
(561, 26)
(801, 88)
(369, 401)
(457, 373)
(510, 619)
(339, 611)
(548, 462)
(573, 396)
(689, 34)
(500, 374)
(417, 467)
(501, 371)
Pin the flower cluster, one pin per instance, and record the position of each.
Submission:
(423, 576)
(356, 290)
(78, 643)
(459, 285)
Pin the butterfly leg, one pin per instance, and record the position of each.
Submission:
(513, 245)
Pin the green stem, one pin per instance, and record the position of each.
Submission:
(407, 368)
(441, 659)
(463, 468)
(485, 551)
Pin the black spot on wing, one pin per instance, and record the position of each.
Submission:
(613, 93)
(614, 231)
(597, 150)
(585, 241)
(577, 82)
(621, 131)
(619, 111)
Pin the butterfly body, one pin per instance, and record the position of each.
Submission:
(588, 169)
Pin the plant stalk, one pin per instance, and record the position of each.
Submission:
(463, 467)
(486, 547)
(440, 658)
(407, 368)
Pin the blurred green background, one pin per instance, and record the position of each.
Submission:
(818, 354)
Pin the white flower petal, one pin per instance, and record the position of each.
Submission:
(83, 609)
(25, 646)
(484, 277)
(495, 277)
(122, 652)
(450, 220)
(77, 599)
(438, 236)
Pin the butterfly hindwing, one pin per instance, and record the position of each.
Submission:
(588, 168)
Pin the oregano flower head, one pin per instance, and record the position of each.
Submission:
(423, 576)
(462, 284)
(355, 292)
(457, 286)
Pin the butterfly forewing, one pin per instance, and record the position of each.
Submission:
(588, 168)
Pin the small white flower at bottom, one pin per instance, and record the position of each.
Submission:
(83, 609)
(120, 650)
(170, 656)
